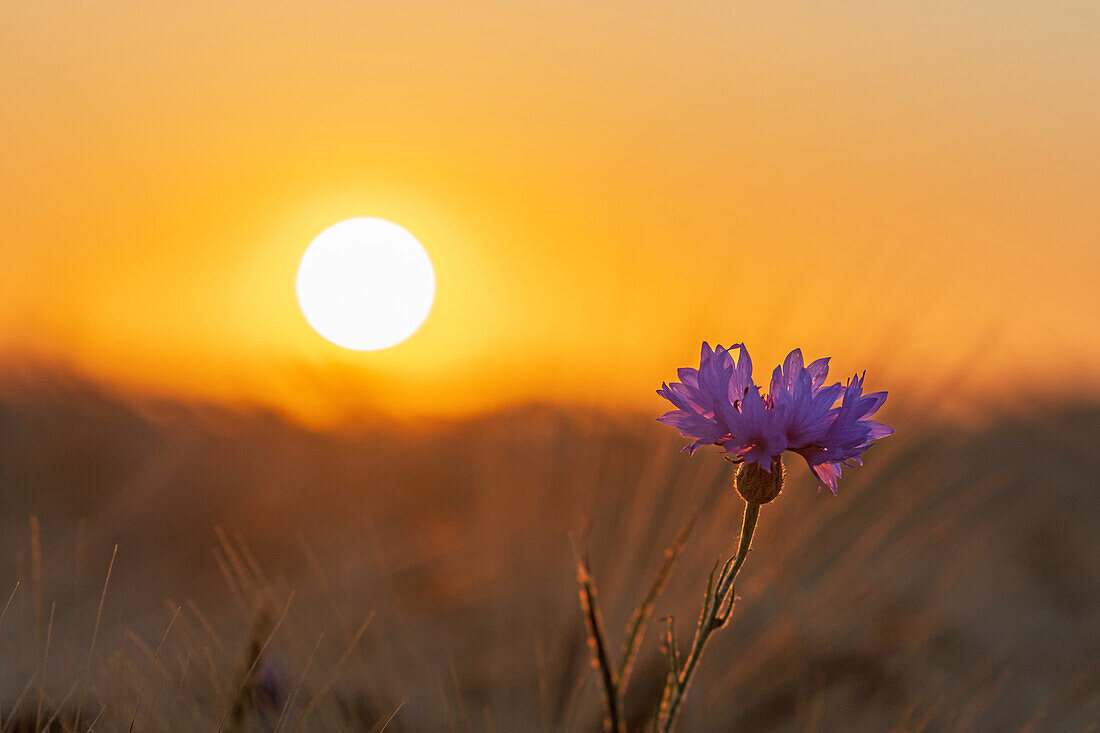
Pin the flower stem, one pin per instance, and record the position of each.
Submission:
(711, 619)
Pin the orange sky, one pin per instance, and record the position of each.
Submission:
(600, 185)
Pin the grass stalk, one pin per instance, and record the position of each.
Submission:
(91, 647)
(597, 641)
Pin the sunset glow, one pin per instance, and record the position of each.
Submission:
(872, 168)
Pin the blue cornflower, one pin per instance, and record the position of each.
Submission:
(718, 403)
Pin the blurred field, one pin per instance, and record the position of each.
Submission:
(953, 585)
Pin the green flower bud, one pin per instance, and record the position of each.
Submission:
(758, 486)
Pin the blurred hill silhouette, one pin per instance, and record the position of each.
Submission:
(954, 583)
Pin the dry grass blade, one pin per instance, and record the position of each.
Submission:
(95, 634)
(598, 644)
(8, 604)
(206, 625)
(36, 577)
(671, 648)
(253, 565)
(637, 627)
(42, 677)
(59, 707)
(297, 688)
(152, 665)
(230, 580)
(18, 702)
(335, 671)
(95, 720)
(249, 585)
(236, 709)
(386, 723)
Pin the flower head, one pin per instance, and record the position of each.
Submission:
(719, 403)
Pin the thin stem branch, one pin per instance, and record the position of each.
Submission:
(711, 619)
(748, 527)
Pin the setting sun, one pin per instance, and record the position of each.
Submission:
(365, 284)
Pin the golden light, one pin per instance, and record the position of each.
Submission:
(365, 284)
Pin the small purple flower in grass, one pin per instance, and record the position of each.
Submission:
(718, 403)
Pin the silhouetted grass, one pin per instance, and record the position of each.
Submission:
(425, 581)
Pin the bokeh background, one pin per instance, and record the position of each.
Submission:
(908, 187)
